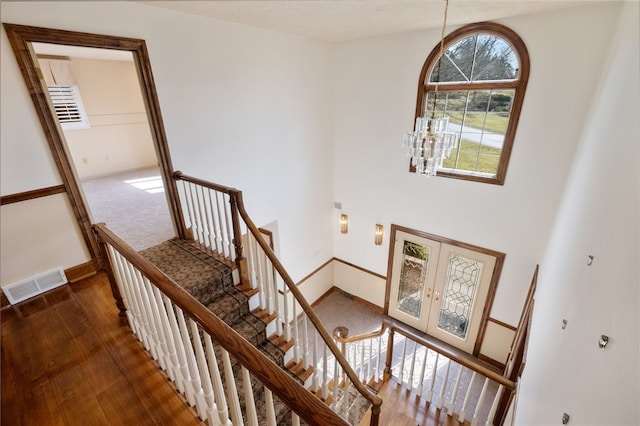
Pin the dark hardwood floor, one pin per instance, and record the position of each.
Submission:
(66, 360)
(403, 408)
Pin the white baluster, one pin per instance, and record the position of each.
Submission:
(171, 355)
(295, 420)
(402, 358)
(158, 333)
(434, 374)
(249, 403)
(262, 288)
(213, 224)
(296, 334)
(186, 187)
(444, 385)
(454, 394)
(370, 360)
(483, 393)
(183, 371)
(314, 381)
(194, 375)
(305, 342)
(287, 324)
(218, 386)
(423, 369)
(271, 412)
(345, 398)
(205, 377)
(232, 391)
(325, 372)
(494, 405)
(467, 397)
(336, 384)
(127, 298)
(227, 220)
(220, 240)
(197, 235)
(251, 264)
(146, 339)
(412, 366)
(379, 358)
(276, 294)
(264, 278)
(138, 321)
(206, 216)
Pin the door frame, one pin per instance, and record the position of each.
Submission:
(20, 38)
(495, 277)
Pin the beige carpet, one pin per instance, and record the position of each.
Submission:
(133, 205)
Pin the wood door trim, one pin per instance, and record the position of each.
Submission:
(495, 276)
(20, 38)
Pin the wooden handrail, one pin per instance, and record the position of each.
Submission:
(374, 399)
(341, 334)
(304, 403)
(449, 351)
(178, 175)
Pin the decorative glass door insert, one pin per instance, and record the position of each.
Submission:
(440, 288)
(460, 286)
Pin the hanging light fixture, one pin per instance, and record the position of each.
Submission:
(430, 142)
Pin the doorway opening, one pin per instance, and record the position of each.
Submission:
(96, 96)
(22, 39)
(442, 287)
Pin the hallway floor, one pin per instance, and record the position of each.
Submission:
(133, 205)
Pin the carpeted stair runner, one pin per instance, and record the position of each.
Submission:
(211, 282)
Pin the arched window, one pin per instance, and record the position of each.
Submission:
(479, 83)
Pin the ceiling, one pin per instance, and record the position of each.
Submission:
(344, 20)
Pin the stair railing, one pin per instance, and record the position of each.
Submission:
(199, 352)
(438, 373)
(316, 357)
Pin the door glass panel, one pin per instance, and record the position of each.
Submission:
(415, 259)
(460, 287)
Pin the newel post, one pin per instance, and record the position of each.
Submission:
(387, 364)
(235, 197)
(375, 415)
(108, 267)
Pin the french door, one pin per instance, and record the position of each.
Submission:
(440, 288)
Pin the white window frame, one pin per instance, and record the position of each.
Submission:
(68, 107)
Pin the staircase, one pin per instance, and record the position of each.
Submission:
(211, 282)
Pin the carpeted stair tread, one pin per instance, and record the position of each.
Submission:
(211, 282)
(230, 307)
(199, 274)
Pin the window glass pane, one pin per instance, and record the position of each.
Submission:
(494, 59)
(481, 118)
(460, 287)
(481, 57)
(415, 259)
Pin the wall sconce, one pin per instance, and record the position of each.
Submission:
(379, 234)
(344, 223)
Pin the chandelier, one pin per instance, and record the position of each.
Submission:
(430, 143)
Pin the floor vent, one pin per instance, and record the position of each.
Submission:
(25, 289)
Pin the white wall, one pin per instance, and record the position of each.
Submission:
(241, 106)
(119, 138)
(566, 372)
(375, 91)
